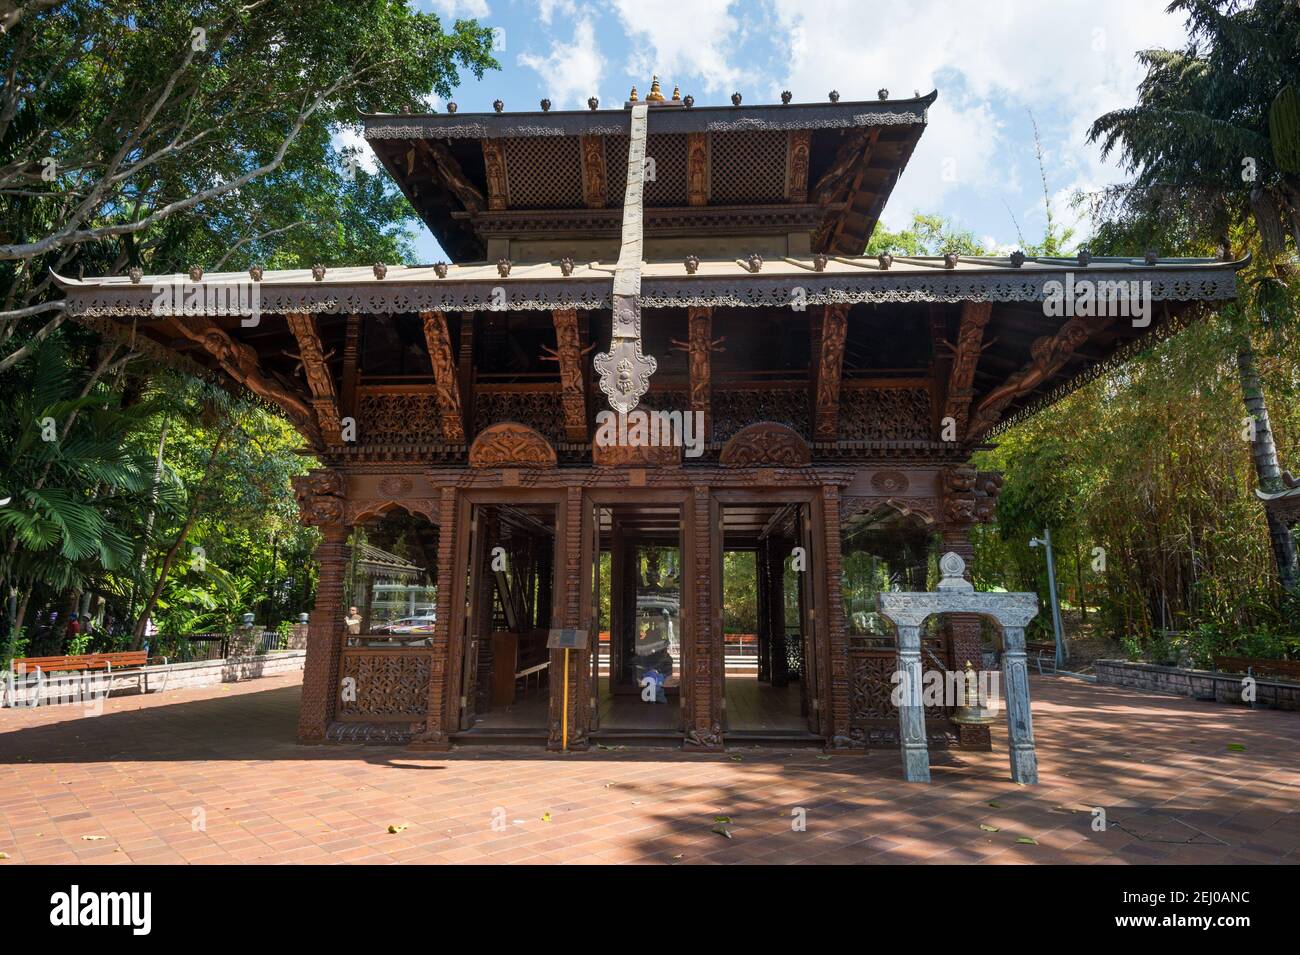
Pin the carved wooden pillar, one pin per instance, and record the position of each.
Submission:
(351, 366)
(704, 722)
(594, 192)
(494, 165)
(437, 732)
(320, 689)
(779, 668)
(911, 714)
(835, 698)
(697, 169)
(796, 165)
(1020, 727)
(570, 615)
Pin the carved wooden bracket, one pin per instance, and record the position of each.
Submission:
(830, 329)
(765, 444)
(697, 169)
(320, 495)
(324, 401)
(239, 361)
(511, 445)
(796, 165)
(446, 386)
(453, 177)
(700, 324)
(970, 496)
(594, 179)
(1049, 355)
(494, 163)
(966, 355)
(568, 352)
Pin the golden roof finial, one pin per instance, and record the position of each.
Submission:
(632, 97)
(677, 93)
(655, 95)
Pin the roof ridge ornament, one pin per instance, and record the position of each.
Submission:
(624, 371)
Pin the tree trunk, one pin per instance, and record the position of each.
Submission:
(193, 512)
(1267, 470)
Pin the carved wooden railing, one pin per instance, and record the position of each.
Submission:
(384, 685)
(873, 718)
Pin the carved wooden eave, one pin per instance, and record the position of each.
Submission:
(830, 328)
(568, 352)
(240, 362)
(511, 445)
(324, 401)
(446, 384)
(594, 177)
(1050, 354)
(965, 356)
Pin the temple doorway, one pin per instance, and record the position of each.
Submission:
(637, 586)
(768, 620)
(508, 615)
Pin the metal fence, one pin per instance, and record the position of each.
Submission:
(197, 647)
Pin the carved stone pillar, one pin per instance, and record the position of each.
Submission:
(436, 733)
(579, 664)
(324, 637)
(1020, 727)
(911, 714)
(704, 721)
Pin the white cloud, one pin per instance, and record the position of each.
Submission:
(546, 9)
(459, 9)
(572, 71)
(347, 137)
(682, 37)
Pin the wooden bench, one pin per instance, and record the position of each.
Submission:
(1284, 669)
(1038, 651)
(110, 663)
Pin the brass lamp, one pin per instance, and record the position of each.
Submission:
(972, 712)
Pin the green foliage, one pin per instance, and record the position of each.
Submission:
(927, 235)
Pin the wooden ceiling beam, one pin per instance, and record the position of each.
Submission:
(438, 155)
(446, 387)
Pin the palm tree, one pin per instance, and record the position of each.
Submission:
(1214, 142)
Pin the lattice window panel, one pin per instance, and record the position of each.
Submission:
(668, 152)
(747, 167)
(540, 410)
(884, 414)
(735, 408)
(544, 172)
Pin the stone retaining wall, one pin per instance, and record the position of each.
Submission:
(1197, 684)
(160, 678)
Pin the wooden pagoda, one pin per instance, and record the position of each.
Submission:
(841, 398)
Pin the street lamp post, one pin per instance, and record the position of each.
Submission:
(1046, 542)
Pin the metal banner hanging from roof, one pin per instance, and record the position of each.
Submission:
(624, 371)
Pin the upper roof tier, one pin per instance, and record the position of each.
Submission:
(536, 186)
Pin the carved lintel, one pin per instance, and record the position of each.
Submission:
(446, 385)
(453, 177)
(594, 180)
(798, 143)
(765, 444)
(569, 353)
(1048, 355)
(239, 361)
(700, 324)
(323, 399)
(494, 163)
(828, 367)
(966, 355)
(697, 169)
(511, 445)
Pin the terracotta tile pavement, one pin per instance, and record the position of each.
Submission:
(132, 784)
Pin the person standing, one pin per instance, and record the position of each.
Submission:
(352, 621)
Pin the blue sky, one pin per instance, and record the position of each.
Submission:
(994, 62)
